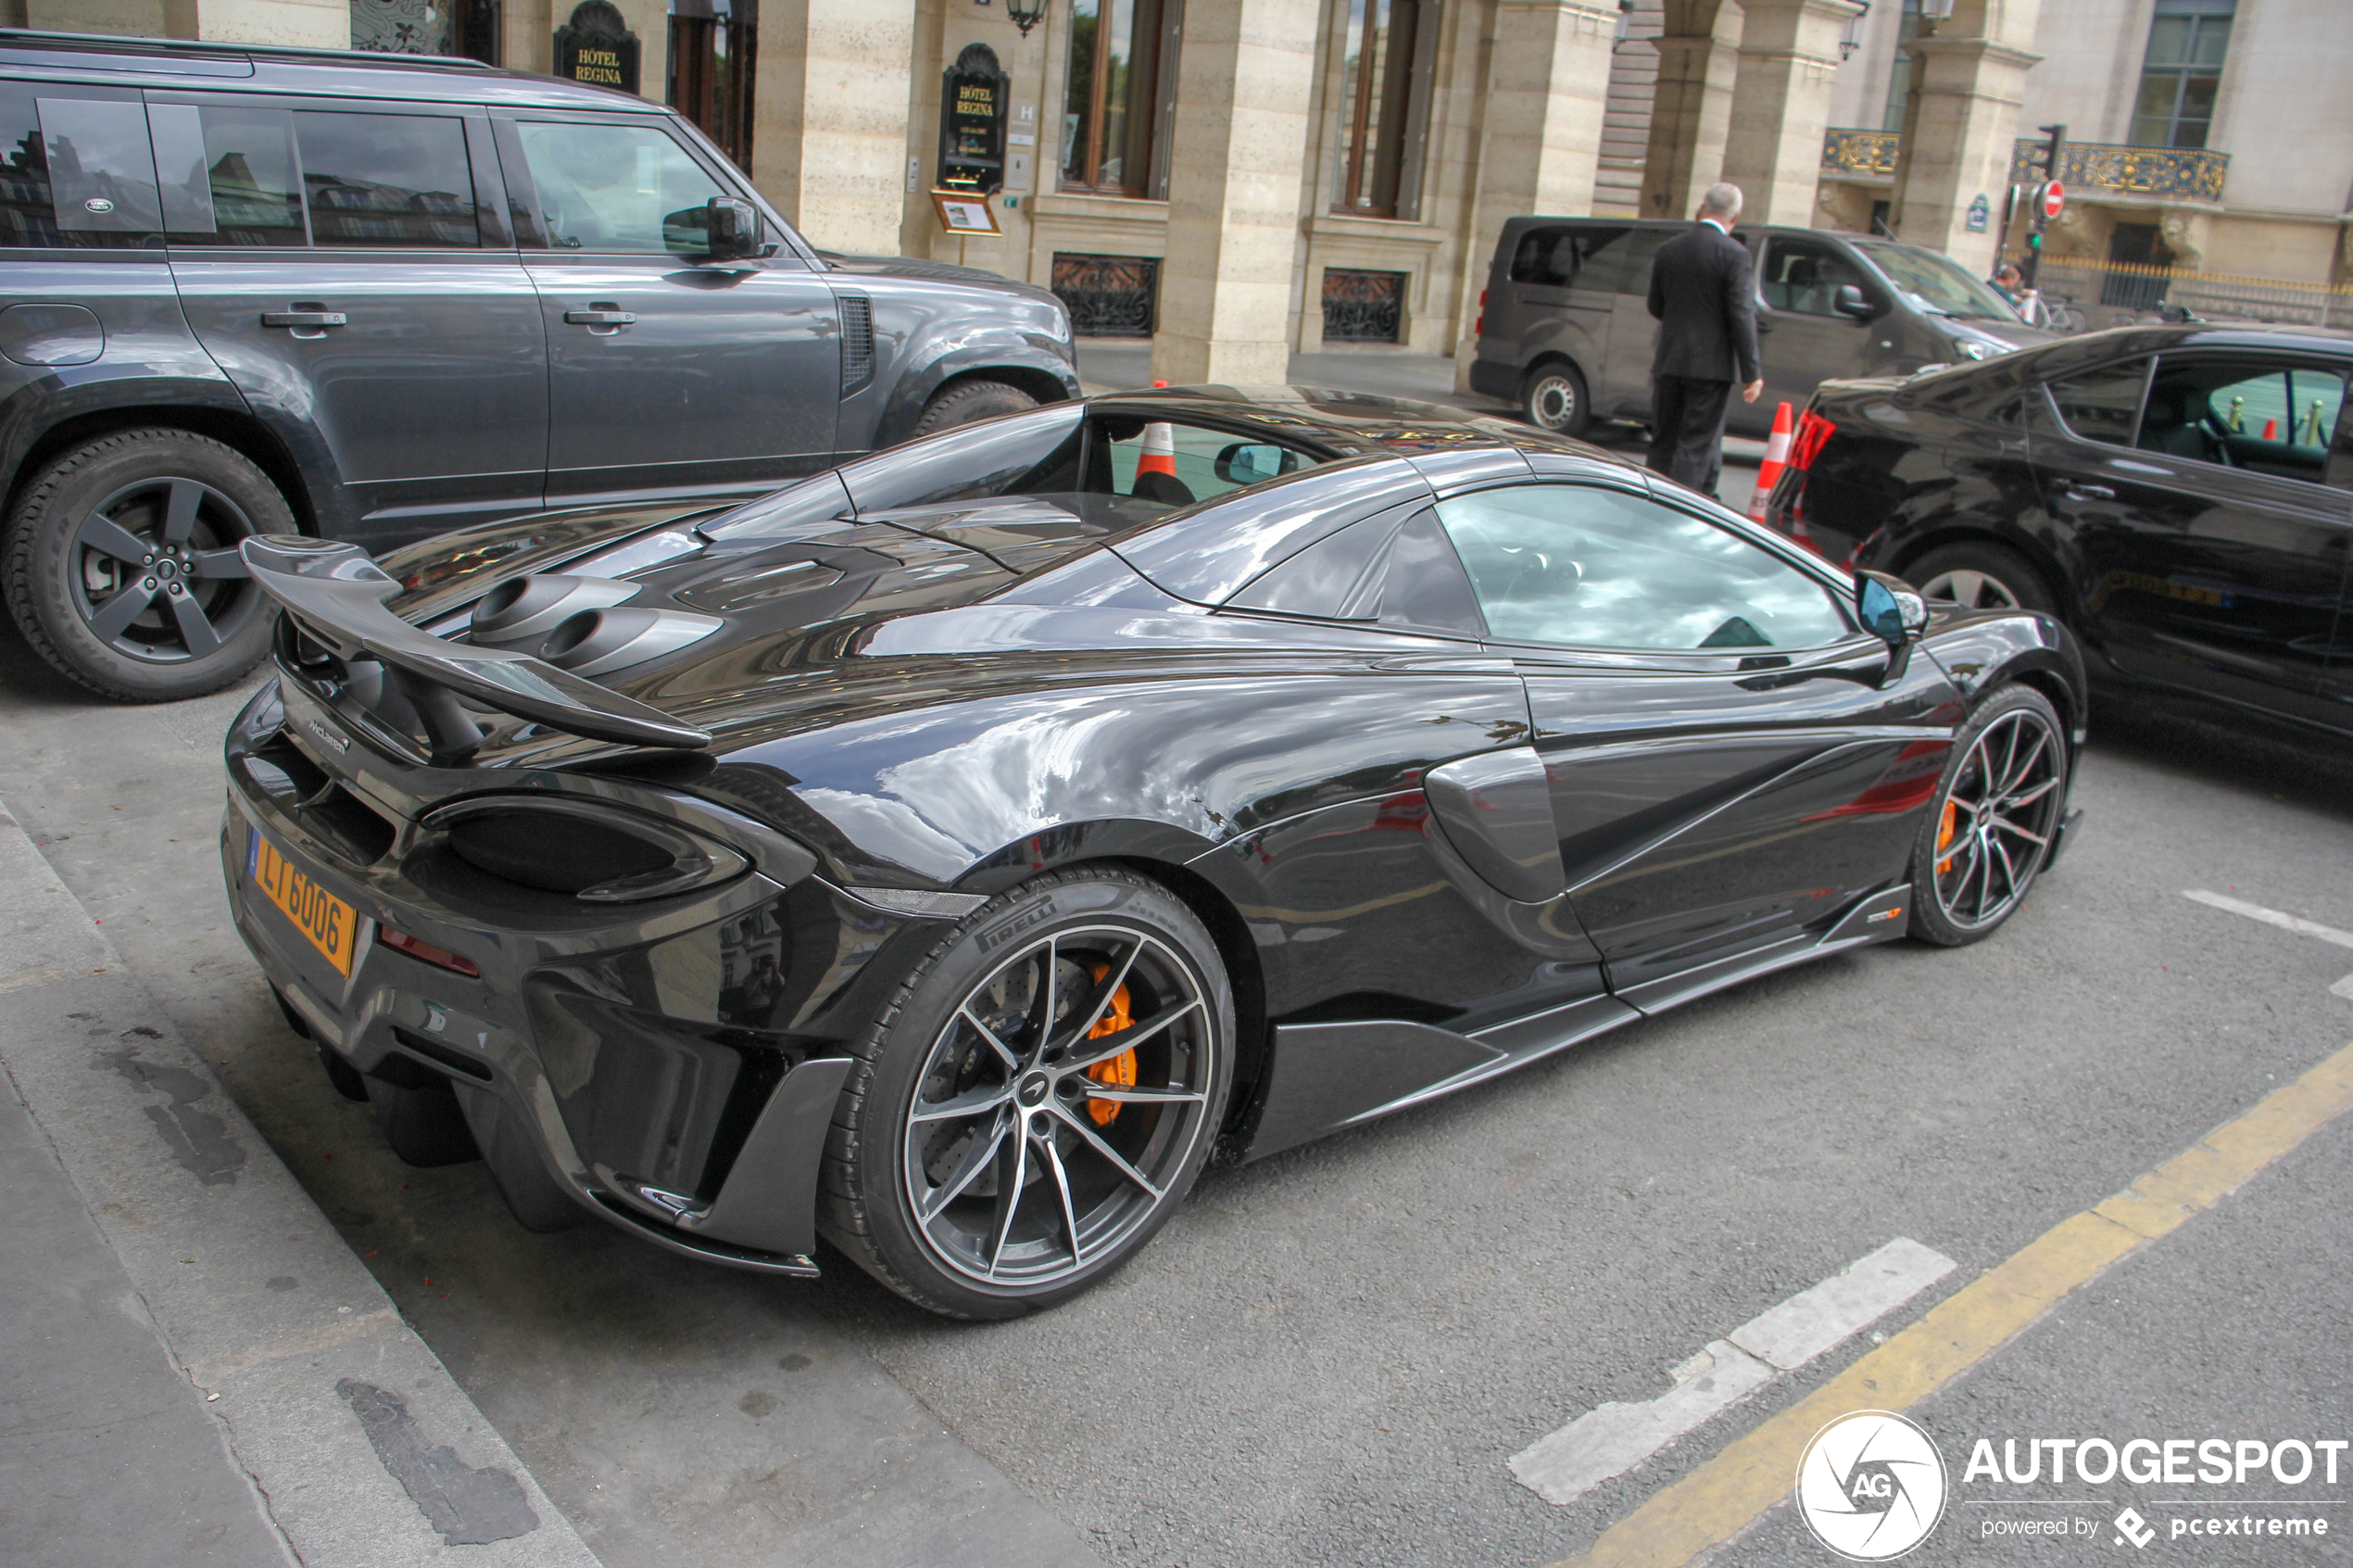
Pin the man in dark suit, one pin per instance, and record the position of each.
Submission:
(1704, 294)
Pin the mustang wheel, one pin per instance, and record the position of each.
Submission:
(1990, 827)
(121, 564)
(1037, 1101)
(1981, 576)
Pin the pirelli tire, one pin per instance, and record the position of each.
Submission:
(1037, 1100)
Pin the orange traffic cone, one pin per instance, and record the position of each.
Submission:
(1160, 452)
(2271, 430)
(1775, 459)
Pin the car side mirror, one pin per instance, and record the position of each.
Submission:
(736, 231)
(1851, 301)
(1891, 610)
(1247, 462)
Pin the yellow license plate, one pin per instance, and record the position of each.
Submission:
(329, 923)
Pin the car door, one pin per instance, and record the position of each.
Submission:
(1801, 337)
(348, 266)
(1732, 764)
(2213, 553)
(669, 375)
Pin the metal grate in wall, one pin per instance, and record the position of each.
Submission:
(1363, 306)
(1108, 295)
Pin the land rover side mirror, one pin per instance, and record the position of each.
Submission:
(1851, 301)
(734, 227)
(1891, 610)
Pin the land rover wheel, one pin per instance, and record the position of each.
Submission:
(122, 568)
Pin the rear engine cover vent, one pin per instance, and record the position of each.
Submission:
(588, 851)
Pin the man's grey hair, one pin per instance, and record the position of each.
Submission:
(1723, 200)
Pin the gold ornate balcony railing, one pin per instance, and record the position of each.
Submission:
(2091, 167)
(1861, 154)
(2178, 173)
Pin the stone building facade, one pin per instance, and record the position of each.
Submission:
(2203, 133)
(1242, 178)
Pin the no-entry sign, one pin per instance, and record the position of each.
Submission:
(2052, 200)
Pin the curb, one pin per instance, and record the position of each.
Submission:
(362, 1449)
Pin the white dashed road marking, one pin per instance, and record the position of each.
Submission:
(1616, 1437)
(2296, 923)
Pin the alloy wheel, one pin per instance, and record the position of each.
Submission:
(1970, 589)
(155, 570)
(1064, 1094)
(1996, 823)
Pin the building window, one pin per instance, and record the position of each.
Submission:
(2181, 72)
(1383, 102)
(711, 45)
(1115, 102)
(1899, 80)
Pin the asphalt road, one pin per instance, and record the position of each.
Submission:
(1328, 1357)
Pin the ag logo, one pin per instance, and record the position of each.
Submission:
(1872, 1486)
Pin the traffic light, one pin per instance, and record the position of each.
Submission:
(2045, 158)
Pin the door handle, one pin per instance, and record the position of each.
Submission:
(2088, 492)
(606, 318)
(302, 318)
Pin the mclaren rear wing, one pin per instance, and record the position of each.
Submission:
(337, 596)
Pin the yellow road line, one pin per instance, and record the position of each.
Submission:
(1720, 1499)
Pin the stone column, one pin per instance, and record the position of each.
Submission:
(1968, 81)
(1237, 160)
(309, 24)
(1789, 54)
(1540, 141)
(1698, 65)
(829, 118)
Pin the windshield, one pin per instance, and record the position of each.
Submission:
(1934, 282)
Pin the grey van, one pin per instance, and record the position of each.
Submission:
(1564, 328)
(248, 290)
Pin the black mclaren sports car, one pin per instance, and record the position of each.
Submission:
(946, 855)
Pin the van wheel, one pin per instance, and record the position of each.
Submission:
(967, 401)
(122, 568)
(1554, 398)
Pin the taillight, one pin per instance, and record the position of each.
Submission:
(417, 948)
(1806, 444)
(1479, 323)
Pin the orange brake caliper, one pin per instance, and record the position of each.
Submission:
(1119, 1072)
(1943, 838)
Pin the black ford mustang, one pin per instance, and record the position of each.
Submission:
(2180, 496)
(944, 855)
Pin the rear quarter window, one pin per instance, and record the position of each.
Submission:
(76, 171)
(2103, 404)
